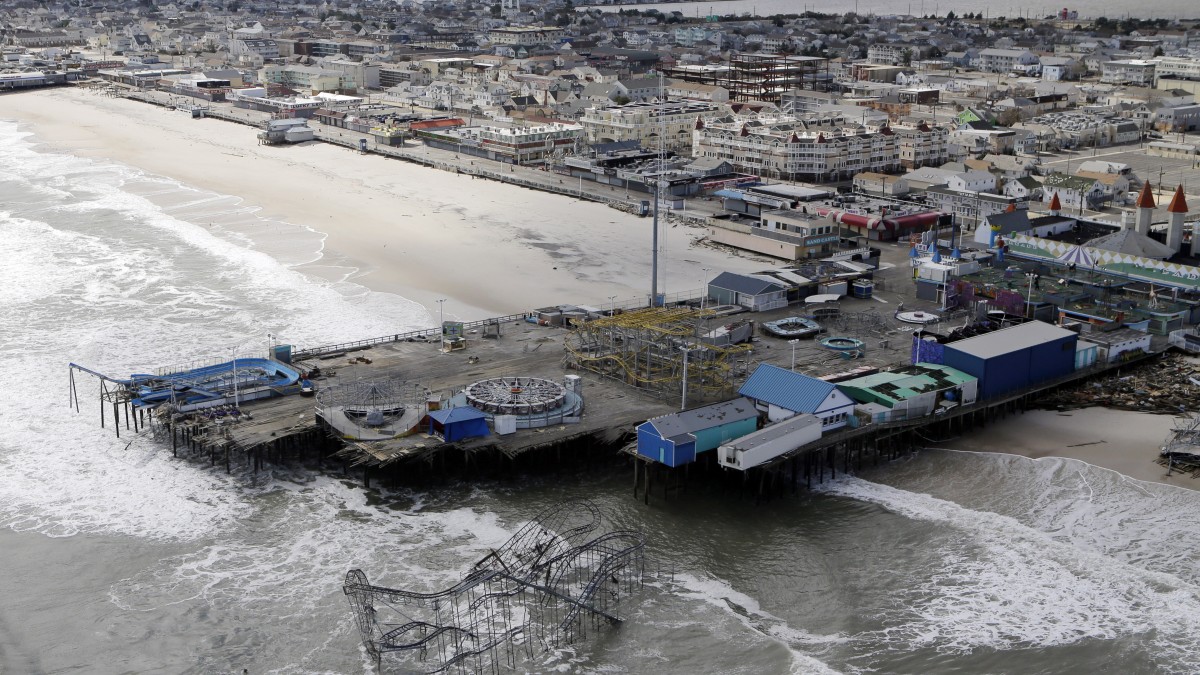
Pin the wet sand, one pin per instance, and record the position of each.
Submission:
(1124, 441)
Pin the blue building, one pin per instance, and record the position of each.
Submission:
(782, 393)
(1014, 358)
(677, 439)
(456, 424)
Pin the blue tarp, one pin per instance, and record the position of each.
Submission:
(458, 423)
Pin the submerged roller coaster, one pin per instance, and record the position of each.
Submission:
(554, 578)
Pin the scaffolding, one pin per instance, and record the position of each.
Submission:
(542, 589)
(759, 77)
(657, 349)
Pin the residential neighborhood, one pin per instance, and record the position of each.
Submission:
(964, 116)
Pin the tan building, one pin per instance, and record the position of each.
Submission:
(306, 79)
(872, 183)
(525, 36)
(646, 122)
(922, 145)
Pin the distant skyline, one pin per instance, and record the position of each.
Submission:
(1113, 9)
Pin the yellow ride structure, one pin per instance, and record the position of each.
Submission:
(648, 349)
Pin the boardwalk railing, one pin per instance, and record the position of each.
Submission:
(338, 348)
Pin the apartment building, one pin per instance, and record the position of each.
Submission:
(306, 79)
(525, 36)
(647, 122)
(1007, 61)
(268, 50)
(1132, 71)
(1177, 68)
(888, 54)
(969, 207)
(922, 145)
(791, 149)
(508, 144)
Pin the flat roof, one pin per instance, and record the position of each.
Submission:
(1008, 340)
(792, 191)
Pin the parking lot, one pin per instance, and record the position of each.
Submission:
(1169, 171)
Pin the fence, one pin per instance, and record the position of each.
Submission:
(338, 348)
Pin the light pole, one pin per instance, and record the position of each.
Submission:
(233, 350)
(442, 324)
(1029, 295)
(793, 344)
(703, 286)
(612, 305)
(683, 401)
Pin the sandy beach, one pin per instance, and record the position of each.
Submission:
(1121, 440)
(421, 233)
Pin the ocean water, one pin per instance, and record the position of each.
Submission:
(117, 558)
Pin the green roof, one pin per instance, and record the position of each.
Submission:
(895, 386)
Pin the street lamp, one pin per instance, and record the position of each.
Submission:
(683, 401)
(233, 350)
(442, 323)
(703, 286)
(793, 344)
(1029, 295)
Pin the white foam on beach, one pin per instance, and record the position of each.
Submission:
(1006, 585)
(105, 278)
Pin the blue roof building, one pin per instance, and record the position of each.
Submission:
(677, 439)
(782, 393)
(1015, 358)
(455, 424)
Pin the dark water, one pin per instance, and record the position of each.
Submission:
(117, 558)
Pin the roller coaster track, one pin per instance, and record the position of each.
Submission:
(547, 565)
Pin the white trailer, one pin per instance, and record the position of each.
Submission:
(769, 442)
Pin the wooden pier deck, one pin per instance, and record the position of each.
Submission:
(277, 427)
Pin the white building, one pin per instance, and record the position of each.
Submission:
(1178, 68)
(1007, 61)
(1132, 71)
(791, 148)
(266, 49)
(647, 122)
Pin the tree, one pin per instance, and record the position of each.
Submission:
(1158, 51)
(1009, 117)
(496, 10)
(622, 100)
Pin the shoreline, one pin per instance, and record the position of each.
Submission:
(423, 234)
(1123, 441)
